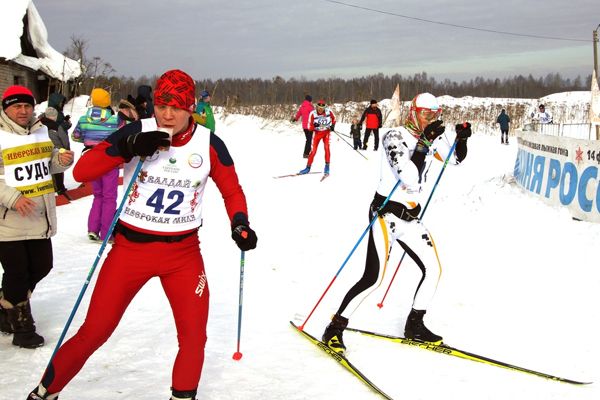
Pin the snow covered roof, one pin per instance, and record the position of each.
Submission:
(48, 60)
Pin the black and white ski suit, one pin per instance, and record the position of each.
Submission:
(398, 220)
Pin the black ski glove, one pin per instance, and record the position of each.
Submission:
(463, 131)
(244, 237)
(142, 144)
(332, 127)
(430, 133)
(433, 130)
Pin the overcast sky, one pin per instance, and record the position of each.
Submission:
(322, 39)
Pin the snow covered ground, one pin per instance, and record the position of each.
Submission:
(520, 284)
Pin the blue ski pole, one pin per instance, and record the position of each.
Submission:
(301, 327)
(238, 355)
(136, 172)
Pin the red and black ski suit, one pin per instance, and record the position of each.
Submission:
(374, 121)
(138, 255)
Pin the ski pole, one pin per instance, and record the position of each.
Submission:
(343, 134)
(380, 304)
(301, 327)
(238, 355)
(340, 136)
(136, 172)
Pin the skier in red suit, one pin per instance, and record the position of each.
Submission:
(156, 235)
(321, 121)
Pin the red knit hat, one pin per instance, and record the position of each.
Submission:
(175, 88)
(17, 94)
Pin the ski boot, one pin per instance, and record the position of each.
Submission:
(40, 393)
(23, 325)
(416, 329)
(326, 171)
(305, 170)
(93, 236)
(332, 336)
(183, 395)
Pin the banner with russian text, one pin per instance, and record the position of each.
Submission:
(561, 171)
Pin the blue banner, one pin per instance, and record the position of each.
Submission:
(561, 171)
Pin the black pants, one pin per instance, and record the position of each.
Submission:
(309, 134)
(356, 142)
(59, 182)
(372, 263)
(366, 140)
(25, 263)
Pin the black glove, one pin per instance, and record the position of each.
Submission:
(332, 127)
(463, 131)
(293, 120)
(433, 130)
(244, 237)
(142, 144)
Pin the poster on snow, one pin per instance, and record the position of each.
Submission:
(561, 171)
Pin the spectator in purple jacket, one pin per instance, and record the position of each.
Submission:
(304, 111)
(97, 124)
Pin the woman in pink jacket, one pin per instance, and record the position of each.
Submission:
(304, 111)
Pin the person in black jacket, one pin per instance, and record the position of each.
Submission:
(144, 100)
(60, 139)
(57, 101)
(374, 121)
(504, 121)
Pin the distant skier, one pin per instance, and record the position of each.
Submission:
(321, 121)
(409, 152)
(504, 121)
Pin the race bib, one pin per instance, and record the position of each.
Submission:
(27, 162)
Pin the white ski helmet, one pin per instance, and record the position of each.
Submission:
(427, 101)
(421, 102)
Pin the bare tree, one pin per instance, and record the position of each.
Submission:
(95, 71)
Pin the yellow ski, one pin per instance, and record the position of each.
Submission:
(342, 360)
(452, 351)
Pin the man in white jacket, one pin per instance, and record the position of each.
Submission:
(27, 210)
